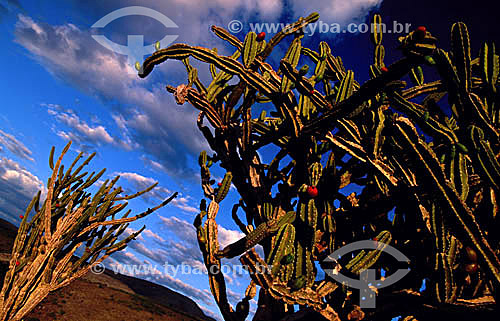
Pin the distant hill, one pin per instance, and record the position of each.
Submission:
(105, 297)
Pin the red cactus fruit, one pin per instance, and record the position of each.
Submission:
(17, 263)
(420, 32)
(312, 191)
(261, 36)
(21, 216)
(384, 69)
(421, 29)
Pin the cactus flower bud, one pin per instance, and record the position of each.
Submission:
(21, 216)
(261, 36)
(384, 69)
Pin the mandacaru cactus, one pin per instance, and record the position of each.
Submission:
(398, 149)
(70, 218)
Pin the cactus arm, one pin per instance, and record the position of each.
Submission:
(428, 88)
(485, 157)
(461, 54)
(254, 237)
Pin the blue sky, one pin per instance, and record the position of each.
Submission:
(59, 84)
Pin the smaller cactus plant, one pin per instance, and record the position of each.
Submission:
(70, 218)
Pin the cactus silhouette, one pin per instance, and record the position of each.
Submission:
(433, 164)
(42, 258)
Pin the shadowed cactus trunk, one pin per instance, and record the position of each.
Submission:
(70, 217)
(398, 149)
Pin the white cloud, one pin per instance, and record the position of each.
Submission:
(83, 134)
(227, 237)
(14, 146)
(182, 203)
(154, 165)
(181, 228)
(137, 180)
(97, 134)
(17, 187)
(153, 235)
(335, 11)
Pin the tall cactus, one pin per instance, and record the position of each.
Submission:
(437, 170)
(69, 218)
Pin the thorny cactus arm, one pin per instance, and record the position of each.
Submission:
(42, 256)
